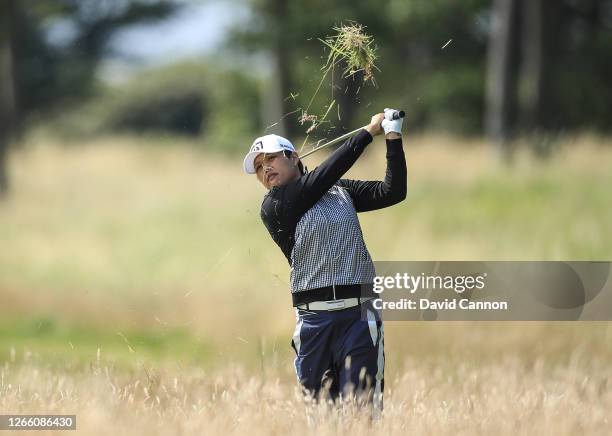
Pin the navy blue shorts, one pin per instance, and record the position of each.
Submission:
(341, 352)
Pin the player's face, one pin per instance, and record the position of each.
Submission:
(275, 169)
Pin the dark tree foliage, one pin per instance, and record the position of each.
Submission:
(556, 78)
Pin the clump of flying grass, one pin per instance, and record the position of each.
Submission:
(314, 119)
(353, 46)
(308, 118)
(355, 49)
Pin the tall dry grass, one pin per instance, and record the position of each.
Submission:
(509, 396)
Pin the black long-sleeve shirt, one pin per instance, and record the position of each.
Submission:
(313, 219)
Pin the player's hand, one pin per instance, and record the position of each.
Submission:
(392, 127)
(375, 127)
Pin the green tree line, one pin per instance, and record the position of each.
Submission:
(501, 68)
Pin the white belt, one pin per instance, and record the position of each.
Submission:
(334, 304)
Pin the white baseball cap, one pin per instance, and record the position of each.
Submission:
(265, 144)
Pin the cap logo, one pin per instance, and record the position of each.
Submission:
(257, 146)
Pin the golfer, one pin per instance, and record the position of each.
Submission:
(312, 217)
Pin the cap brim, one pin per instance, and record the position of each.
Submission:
(249, 162)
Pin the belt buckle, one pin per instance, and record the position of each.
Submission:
(335, 304)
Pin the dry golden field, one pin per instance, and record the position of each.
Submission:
(140, 291)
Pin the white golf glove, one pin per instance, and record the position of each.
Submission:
(391, 125)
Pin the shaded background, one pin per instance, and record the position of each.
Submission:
(500, 68)
(128, 229)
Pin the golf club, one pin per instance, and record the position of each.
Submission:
(395, 115)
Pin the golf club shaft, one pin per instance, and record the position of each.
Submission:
(333, 141)
(395, 116)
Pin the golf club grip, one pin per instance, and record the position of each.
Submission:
(398, 114)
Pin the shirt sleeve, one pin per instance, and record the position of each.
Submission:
(372, 195)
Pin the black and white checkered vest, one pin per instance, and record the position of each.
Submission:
(329, 247)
